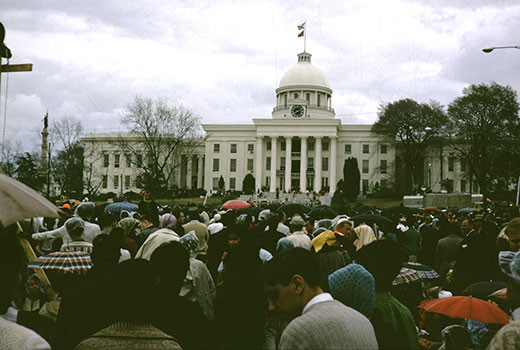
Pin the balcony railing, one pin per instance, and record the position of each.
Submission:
(325, 108)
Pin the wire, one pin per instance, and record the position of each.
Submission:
(5, 112)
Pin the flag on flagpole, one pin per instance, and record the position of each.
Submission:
(301, 34)
(301, 26)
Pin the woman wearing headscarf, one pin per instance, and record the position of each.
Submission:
(365, 235)
(129, 226)
(163, 235)
(198, 285)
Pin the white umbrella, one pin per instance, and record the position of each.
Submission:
(18, 201)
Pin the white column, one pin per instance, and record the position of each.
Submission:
(288, 163)
(189, 171)
(303, 164)
(317, 164)
(273, 164)
(332, 163)
(259, 153)
(199, 172)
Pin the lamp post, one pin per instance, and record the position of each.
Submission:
(490, 49)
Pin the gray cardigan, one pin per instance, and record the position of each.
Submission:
(329, 325)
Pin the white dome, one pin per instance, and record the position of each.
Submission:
(304, 73)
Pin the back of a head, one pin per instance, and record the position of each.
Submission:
(168, 221)
(134, 287)
(457, 337)
(105, 251)
(383, 259)
(12, 261)
(86, 210)
(107, 219)
(170, 262)
(296, 261)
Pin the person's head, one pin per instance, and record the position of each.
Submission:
(12, 262)
(233, 239)
(283, 244)
(190, 242)
(128, 225)
(107, 220)
(33, 285)
(105, 251)
(134, 285)
(179, 214)
(145, 222)
(466, 226)
(513, 234)
(452, 228)
(509, 263)
(56, 244)
(168, 221)
(75, 228)
(86, 210)
(296, 223)
(229, 218)
(344, 227)
(355, 287)
(291, 279)
(170, 262)
(383, 260)
(456, 337)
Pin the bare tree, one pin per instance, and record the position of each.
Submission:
(10, 152)
(160, 134)
(92, 174)
(67, 130)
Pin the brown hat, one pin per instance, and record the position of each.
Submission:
(297, 220)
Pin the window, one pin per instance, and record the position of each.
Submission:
(233, 165)
(250, 163)
(214, 183)
(310, 163)
(310, 145)
(325, 146)
(308, 98)
(268, 163)
(216, 165)
(105, 181)
(475, 187)
(384, 148)
(117, 160)
(232, 183)
(251, 147)
(285, 100)
(319, 100)
(324, 182)
(233, 148)
(462, 185)
(267, 182)
(366, 149)
(128, 158)
(348, 149)
(449, 186)
(106, 160)
(383, 166)
(282, 163)
(365, 186)
(116, 181)
(365, 166)
(216, 148)
(296, 95)
(462, 164)
(325, 164)
(268, 145)
(451, 162)
(283, 146)
(127, 181)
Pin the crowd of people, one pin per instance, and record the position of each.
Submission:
(194, 278)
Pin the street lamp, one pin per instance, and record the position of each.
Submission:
(490, 49)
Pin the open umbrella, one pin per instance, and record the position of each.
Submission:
(499, 295)
(371, 219)
(293, 208)
(430, 208)
(399, 210)
(19, 201)
(235, 204)
(467, 307)
(322, 212)
(63, 261)
(425, 271)
(120, 206)
(483, 288)
(406, 275)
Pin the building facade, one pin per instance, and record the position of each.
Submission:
(301, 147)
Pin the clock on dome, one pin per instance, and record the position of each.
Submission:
(297, 111)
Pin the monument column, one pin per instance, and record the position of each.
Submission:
(199, 172)
(332, 168)
(317, 164)
(274, 145)
(189, 171)
(288, 163)
(303, 164)
(259, 151)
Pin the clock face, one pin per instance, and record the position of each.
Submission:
(297, 111)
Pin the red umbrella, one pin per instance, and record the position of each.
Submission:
(235, 204)
(467, 307)
(430, 208)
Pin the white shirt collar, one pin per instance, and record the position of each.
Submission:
(317, 299)
(515, 316)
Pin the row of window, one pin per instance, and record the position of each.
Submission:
(451, 164)
(310, 146)
(115, 181)
(117, 160)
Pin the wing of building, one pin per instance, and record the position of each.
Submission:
(301, 147)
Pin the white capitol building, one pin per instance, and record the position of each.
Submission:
(301, 147)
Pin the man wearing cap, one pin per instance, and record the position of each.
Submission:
(75, 228)
(299, 236)
(508, 337)
(201, 231)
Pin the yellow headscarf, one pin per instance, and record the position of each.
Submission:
(365, 236)
(326, 237)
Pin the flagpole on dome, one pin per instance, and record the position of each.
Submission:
(302, 33)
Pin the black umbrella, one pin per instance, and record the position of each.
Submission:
(364, 209)
(322, 212)
(293, 208)
(371, 219)
(253, 211)
(483, 288)
(400, 210)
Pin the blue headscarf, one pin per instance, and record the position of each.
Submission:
(191, 243)
(355, 287)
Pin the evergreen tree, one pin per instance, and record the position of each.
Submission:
(351, 179)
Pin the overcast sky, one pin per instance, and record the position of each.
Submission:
(224, 59)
